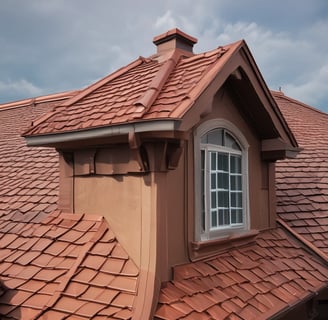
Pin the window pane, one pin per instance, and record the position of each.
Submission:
(235, 164)
(226, 217)
(236, 216)
(239, 214)
(235, 183)
(215, 137)
(202, 165)
(213, 200)
(223, 181)
(236, 200)
(223, 217)
(230, 142)
(233, 216)
(213, 181)
(223, 162)
(213, 160)
(214, 219)
(223, 199)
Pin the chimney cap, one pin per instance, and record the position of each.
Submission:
(174, 39)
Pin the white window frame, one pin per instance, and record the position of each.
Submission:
(222, 231)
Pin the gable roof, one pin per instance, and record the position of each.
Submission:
(158, 93)
(302, 183)
(256, 280)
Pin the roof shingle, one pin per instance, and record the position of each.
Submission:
(302, 183)
(237, 283)
(82, 285)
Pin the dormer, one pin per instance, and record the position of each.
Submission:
(177, 151)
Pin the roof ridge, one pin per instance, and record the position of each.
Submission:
(157, 83)
(39, 99)
(278, 94)
(205, 81)
(71, 272)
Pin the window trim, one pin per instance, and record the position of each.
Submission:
(236, 134)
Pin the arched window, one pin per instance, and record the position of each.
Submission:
(221, 180)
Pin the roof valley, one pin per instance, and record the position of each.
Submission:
(72, 271)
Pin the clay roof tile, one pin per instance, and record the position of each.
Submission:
(261, 288)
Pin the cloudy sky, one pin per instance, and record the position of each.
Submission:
(58, 45)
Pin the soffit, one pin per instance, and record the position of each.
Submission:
(256, 281)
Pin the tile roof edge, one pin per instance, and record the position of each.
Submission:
(66, 279)
(277, 312)
(300, 238)
(104, 80)
(224, 51)
(84, 92)
(281, 95)
(39, 99)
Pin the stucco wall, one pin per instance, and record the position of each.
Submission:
(120, 200)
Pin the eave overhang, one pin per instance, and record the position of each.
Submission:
(277, 149)
(59, 139)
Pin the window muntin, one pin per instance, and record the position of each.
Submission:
(222, 182)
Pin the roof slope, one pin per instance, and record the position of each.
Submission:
(65, 265)
(255, 281)
(52, 264)
(146, 89)
(302, 183)
(28, 176)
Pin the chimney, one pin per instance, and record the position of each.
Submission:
(174, 39)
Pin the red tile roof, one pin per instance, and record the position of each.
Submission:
(302, 183)
(146, 89)
(52, 264)
(63, 265)
(254, 281)
(28, 176)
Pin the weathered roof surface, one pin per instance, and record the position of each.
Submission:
(28, 176)
(302, 183)
(254, 281)
(144, 90)
(52, 265)
(64, 265)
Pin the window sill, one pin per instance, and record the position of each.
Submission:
(202, 249)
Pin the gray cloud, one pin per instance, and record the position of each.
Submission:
(52, 46)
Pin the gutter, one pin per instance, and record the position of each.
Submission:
(104, 132)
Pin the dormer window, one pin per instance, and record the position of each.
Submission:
(221, 180)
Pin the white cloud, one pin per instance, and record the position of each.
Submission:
(311, 91)
(165, 21)
(20, 87)
(296, 63)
